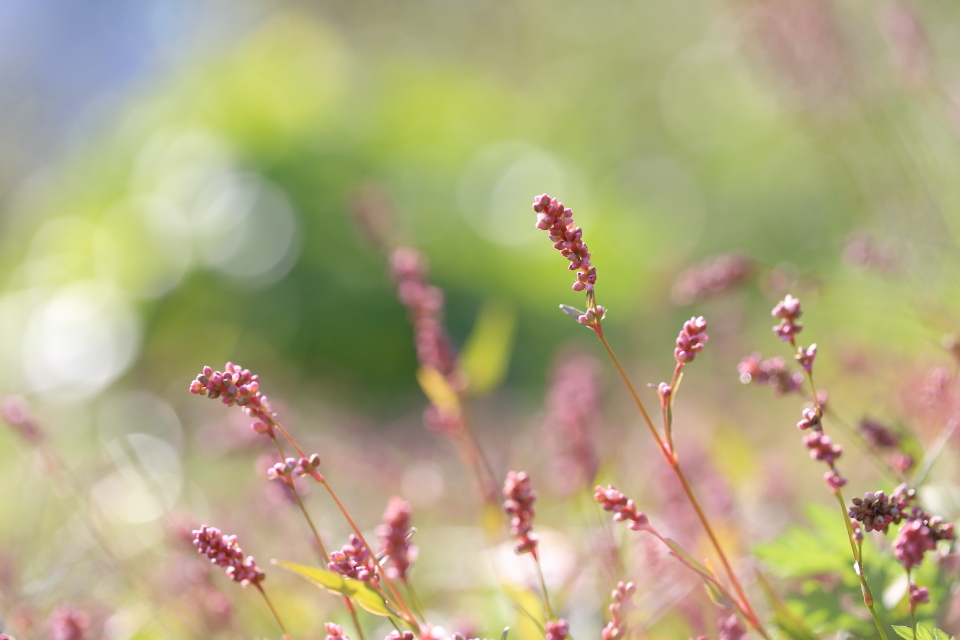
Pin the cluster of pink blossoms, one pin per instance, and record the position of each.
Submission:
(518, 504)
(225, 552)
(354, 561)
(624, 509)
(567, 238)
(236, 386)
(690, 342)
(621, 604)
(919, 535)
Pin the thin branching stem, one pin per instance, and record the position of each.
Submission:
(752, 618)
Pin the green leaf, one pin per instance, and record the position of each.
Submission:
(357, 590)
(487, 351)
(904, 632)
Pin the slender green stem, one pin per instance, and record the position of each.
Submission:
(303, 509)
(274, 612)
(543, 586)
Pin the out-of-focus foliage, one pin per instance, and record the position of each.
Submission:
(238, 202)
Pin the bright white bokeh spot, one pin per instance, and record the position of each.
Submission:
(139, 412)
(79, 340)
(498, 185)
(246, 229)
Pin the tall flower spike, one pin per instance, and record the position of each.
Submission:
(225, 552)
(520, 497)
(567, 238)
(236, 386)
(571, 420)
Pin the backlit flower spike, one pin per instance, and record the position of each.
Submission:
(236, 386)
(224, 551)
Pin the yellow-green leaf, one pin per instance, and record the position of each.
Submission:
(487, 351)
(357, 590)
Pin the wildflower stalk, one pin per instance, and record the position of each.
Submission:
(673, 461)
(567, 238)
(409, 618)
(788, 310)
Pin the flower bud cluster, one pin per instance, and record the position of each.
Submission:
(335, 632)
(806, 357)
(236, 386)
(691, 340)
(918, 595)
(225, 552)
(354, 561)
(425, 305)
(771, 373)
(877, 511)
(556, 219)
(621, 604)
(394, 536)
(557, 629)
(711, 277)
(788, 310)
(624, 509)
(291, 467)
(400, 635)
(520, 497)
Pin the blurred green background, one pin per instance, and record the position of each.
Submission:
(185, 184)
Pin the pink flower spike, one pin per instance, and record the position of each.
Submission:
(555, 218)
